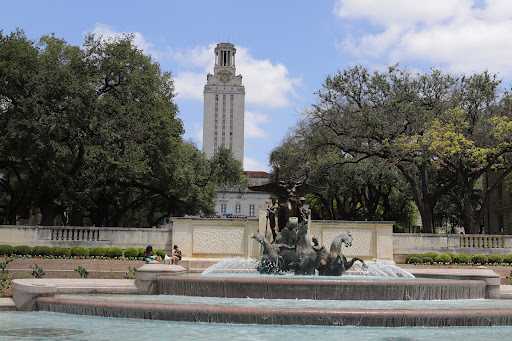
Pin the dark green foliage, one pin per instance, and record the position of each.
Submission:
(141, 251)
(414, 259)
(60, 251)
(427, 259)
(451, 255)
(131, 252)
(443, 258)
(159, 253)
(97, 251)
(21, 250)
(507, 259)
(114, 252)
(432, 255)
(479, 259)
(45, 251)
(6, 250)
(462, 258)
(412, 255)
(79, 252)
(93, 131)
(36, 251)
(495, 258)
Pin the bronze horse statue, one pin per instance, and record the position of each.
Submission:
(335, 263)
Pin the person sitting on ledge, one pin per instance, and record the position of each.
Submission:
(176, 255)
(148, 254)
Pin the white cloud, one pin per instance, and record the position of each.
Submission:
(460, 35)
(267, 85)
(251, 164)
(391, 12)
(251, 125)
(106, 31)
(189, 85)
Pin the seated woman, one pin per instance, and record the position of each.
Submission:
(148, 254)
(176, 255)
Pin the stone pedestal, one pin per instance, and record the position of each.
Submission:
(146, 275)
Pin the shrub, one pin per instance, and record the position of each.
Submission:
(21, 250)
(507, 259)
(414, 259)
(426, 259)
(41, 251)
(432, 255)
(495, 258)
(412, 255)
(482, 259)
(97, 251)
(443, 258)
(141, 251)
(160, 253)
(45, 251)
(79, 252)
(113, 252)
(451, 255)
(131, 252)
(57, 251)
(5, 250)
(462, 258)
(36, 251)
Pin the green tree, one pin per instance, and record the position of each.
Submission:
(94, 132)
(356, 189)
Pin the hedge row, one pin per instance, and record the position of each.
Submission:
(432, 257)
(82, 252)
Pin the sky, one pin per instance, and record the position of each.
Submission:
(285, 49)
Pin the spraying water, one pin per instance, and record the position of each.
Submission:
(233, 265)
(378, 267)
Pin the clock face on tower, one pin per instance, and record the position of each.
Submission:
(224, 77)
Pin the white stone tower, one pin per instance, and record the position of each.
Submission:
(224, 105)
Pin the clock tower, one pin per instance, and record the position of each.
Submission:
(224, 105)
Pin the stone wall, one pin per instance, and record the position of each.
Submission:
(203, 237)
(67, 236)
(407, 243)
(221, 238)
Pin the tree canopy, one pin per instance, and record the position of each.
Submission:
(92, 134)
(440, 131)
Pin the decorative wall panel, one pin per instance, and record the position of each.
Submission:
(218, 240)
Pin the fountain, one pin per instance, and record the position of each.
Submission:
(292, 269)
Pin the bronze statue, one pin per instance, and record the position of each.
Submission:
(288, 198)
(291, 249)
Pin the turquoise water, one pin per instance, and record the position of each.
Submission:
(53, 326)
(275, 303)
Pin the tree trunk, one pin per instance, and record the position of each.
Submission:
(48, 213)
(76, 218)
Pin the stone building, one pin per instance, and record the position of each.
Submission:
(224, 105)
(223, 125)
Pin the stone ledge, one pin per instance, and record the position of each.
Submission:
(7, 303)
